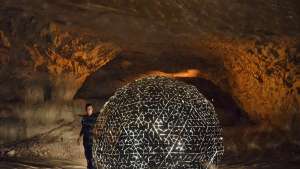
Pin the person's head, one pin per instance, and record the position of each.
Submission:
(89, 109)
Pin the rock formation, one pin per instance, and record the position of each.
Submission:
(249, 51)
(51, 62)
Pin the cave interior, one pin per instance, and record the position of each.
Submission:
(243, 56)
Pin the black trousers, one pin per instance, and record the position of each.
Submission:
(87, 144)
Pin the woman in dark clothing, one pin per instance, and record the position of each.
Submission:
(88, 122)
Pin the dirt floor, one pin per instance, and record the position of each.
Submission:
(57, 148)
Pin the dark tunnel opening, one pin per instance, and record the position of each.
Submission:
(229, 112)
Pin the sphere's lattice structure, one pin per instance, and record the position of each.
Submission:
(157, 123)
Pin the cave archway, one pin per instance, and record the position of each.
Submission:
(229, 112)
(192, 68)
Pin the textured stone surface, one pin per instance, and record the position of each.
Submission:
(47, 60)
(158, 122)
(249, 49)
(242, 55)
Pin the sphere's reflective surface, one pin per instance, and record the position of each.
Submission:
(157, 123)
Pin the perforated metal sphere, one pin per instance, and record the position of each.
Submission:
(157, 123)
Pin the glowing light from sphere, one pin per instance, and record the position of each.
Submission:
(158, 123)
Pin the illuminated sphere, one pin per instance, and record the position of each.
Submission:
(157, 123)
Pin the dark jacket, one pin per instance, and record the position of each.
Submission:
(88, 123)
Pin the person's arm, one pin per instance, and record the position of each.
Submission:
(81, 132)
(80, 135)
(95, 127)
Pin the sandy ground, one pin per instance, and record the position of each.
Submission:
(57, 148)
(229, 163)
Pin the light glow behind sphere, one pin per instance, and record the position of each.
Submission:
(157, 123)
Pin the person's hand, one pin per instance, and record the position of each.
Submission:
(95, 132)
(78, 141)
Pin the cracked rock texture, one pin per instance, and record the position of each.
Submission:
(243, 55)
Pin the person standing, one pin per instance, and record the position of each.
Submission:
(88, 121)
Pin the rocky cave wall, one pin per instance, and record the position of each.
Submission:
(75, 49)
(49, 62)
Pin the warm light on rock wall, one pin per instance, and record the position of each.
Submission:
(249, 55)
(54, 60)
(264, 74)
